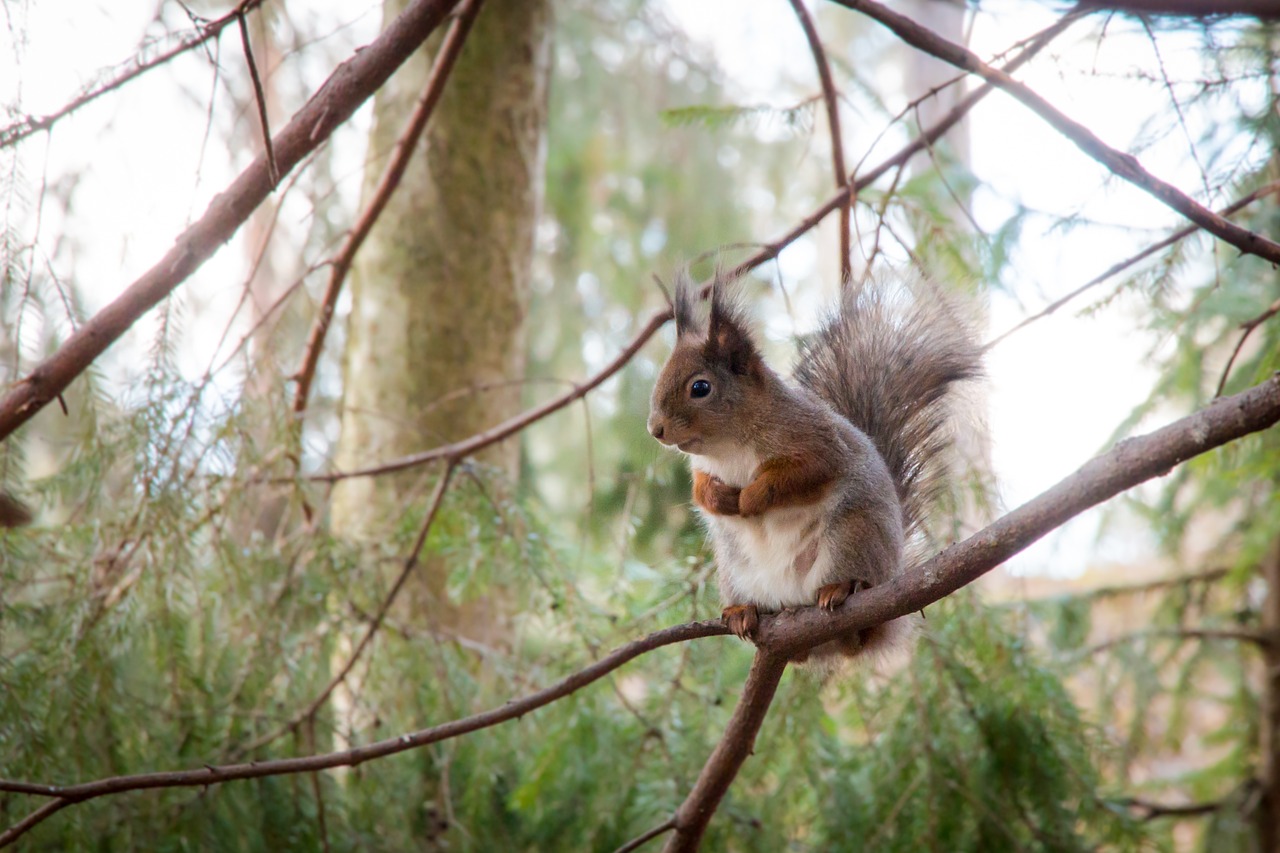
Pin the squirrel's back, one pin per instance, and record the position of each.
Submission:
(886, 360)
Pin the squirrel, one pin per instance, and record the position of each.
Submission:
(811, 489)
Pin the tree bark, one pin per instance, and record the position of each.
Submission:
(1269, 726)
(440, 290)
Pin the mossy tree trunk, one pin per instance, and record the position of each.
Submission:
(435, 346)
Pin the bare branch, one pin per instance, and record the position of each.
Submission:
(831, 98)
(1247, 329)
(349, 86)
(735, 745)
(273, 169)
(1152, 810)
(1265, 9)
(1257, 638)
(639, 841)
(402, 153)
(1121, 164)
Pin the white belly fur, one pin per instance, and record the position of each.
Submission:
(756, 556)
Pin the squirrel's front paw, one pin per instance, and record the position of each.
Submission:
(741, 619)
(715, 495)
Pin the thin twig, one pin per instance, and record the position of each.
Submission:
(1248, 326)
(273, 170)
(831, 99)
(1257, 638)
(640, 840)
(1121, 164)
(401, 155)
(1121, 266)
(1153, 810)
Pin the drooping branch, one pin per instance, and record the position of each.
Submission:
(353, 82)
(781, 635)
(1121, 164)
(401, 155)
(766, 253)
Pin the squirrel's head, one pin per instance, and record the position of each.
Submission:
(703, 395)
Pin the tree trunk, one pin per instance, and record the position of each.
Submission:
(440, 289)
(1269, 727)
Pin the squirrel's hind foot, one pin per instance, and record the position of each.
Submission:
(833, 595)
(741, 619)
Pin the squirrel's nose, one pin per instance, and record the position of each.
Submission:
(656, 429)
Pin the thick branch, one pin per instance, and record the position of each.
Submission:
(347, 88)
(1129, 463)
(735, 745)
(1121, 164)
(210, 775)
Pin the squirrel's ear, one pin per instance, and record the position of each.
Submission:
(728, 338)
(686, 306)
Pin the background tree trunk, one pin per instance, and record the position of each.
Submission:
(440, 289)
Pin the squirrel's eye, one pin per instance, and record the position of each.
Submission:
(700, 388)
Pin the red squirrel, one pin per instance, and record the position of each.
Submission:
(811, 488)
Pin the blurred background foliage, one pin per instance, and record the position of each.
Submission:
(175, 605)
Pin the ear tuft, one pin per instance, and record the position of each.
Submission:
(686, 306)
(729, 337)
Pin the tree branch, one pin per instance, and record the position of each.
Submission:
(1132, 461)
(349, 86)
(402, 153)
(1121, 164)
(735, 745)
(1120, 266)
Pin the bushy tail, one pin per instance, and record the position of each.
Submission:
(886, 361)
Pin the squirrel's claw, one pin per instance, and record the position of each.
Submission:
(741, 619)
(833, 595)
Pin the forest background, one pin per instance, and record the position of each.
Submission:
(457, 278)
